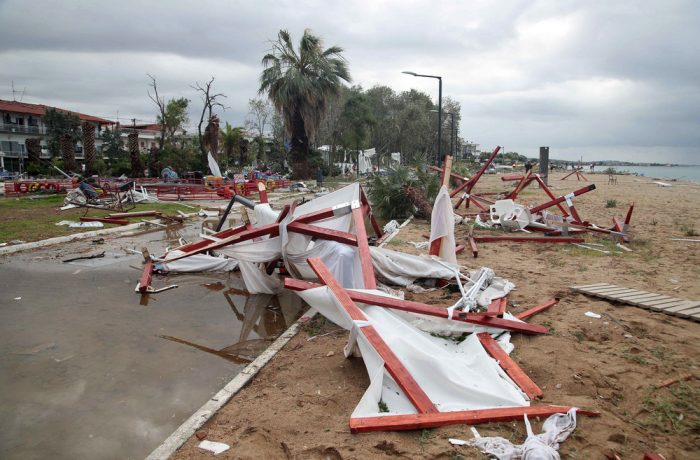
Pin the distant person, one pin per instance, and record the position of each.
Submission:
(319, 177)
(528, 167)
(592, 167)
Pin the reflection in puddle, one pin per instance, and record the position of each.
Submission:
(261, 314)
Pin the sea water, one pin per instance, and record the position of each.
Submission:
(689, 173)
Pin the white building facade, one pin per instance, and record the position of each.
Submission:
(20, 121)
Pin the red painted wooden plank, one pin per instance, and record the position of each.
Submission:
(467, 417)
(537, 309)
(393, 365)
(324, 233)
(551, 195)
(511, 368)
(555, 201)
(435, 246)
(375, 225)
(315, 216)
(399, 373)
(472, 244)
(368, 278)
(494, 307)
(617, 224)
(146, 277)
(502, 306)
(459, 248)
(527, 239)
(482, 319)
(271, 229)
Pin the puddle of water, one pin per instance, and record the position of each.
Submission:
(89, 369)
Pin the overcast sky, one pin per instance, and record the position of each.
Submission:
(599, 79)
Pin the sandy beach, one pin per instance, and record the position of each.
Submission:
(299, 405)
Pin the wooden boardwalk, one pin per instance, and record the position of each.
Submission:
(656, 302)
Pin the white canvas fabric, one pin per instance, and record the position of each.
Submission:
(403, 269)
(442, 225)
(455, 376)
(213, 165)
(197, 263)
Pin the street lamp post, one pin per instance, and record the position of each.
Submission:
(439, 149)
(452, 131)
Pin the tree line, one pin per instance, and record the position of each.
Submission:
(303, 102)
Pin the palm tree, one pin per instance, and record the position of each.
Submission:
(300, 85)
(230, 139)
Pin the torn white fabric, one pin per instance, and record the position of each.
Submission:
(404, 269)
(213, 165)
(543, 446)
(442, 225)
(455, 376)
(197, 263)
(264, 214)
(297, 248)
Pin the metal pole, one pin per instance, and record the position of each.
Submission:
(452, 137)
(439, 151)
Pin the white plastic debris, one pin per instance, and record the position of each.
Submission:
(543, 446)
(457, 442)
(391, 226)
(216, 447)
(590, 314)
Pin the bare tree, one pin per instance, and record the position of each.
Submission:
(160, 103)
(210, 101)
(259, 115)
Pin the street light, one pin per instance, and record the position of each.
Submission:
(452, 132)
(439, 149)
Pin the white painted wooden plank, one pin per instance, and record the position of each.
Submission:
(590, 286)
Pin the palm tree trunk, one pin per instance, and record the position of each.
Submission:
(134, 155)
(299, 155)
(68, 153)
(89, 148)
(33, 147)
(153, 165)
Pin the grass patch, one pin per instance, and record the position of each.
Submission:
(689, 230)
(315, 326)
(611, 203)
(425, 434)
(29, 219)
(676, 412)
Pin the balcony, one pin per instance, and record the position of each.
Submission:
(21, 129)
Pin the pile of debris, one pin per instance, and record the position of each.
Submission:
(500, 209)
(428, 365)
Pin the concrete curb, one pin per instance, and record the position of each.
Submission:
(69, 238)
(204, 413)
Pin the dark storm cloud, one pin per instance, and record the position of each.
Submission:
(600, 77)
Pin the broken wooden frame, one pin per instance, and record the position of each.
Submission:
(428, 415)
(481, 319)
(305, 225)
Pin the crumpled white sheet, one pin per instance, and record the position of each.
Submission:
(404, 269)
(543, 446)
(455, 376)
(442, 225)
(197, 263)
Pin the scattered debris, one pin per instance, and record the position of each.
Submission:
(590, 314)
(671, 381)
(215, 447)
(92, 256)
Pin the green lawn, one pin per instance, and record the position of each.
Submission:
(35, 219)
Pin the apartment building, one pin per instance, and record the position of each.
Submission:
(20, 121)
